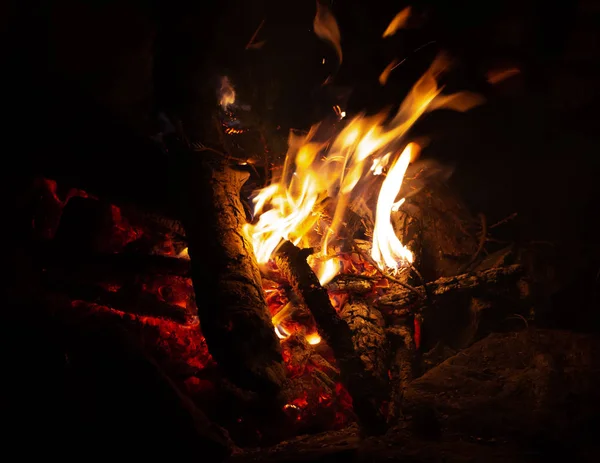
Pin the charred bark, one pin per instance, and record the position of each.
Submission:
(400, 298)
(351, 284)
(461, 309)
(133, 302)
(103, 266)
(368, 336)
(226, 278)
(439, 229)
(336, 332)
(402, 370)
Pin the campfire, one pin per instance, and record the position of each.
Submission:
(306, 300)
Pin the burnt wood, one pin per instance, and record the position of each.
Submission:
(231, 303)
(133, 302)
(336, 332)
(400, 299)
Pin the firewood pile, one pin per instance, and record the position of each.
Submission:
(270, 353)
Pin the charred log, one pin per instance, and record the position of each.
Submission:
(336, 332)
(123, 369)
(126, 299)
(368, 337)
(461, 309)
(103, 266)
(235, 320)
(439, 229)
(351, 284)
(402, 370)
(497, 279)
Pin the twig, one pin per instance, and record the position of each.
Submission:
(482, 240)
(251, 41)
(428, 298)
(354, 276)
(504, 220)
(516, 315)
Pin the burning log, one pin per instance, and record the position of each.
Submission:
(336, 332)
(133, 390)
(438, 228)
(125, 300)
(234, 316)
(351, 284)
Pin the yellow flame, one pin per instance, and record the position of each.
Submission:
(313, 339)
(387, 251)
(398, 22)
(342, 170)
(184, 254)
(226, 93)
(326, 28)
(281, 332)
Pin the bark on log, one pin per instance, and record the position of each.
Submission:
(401, 298)
(231, 303)
(133, 302)
(402, 372)
(350, 284)
(110, 266)
(368, 336)
(463, 308)
(437, 227)
(336, 332)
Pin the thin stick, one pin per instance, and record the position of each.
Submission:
(504, 220)
(251, 41)
(482, 240)
(428, 298)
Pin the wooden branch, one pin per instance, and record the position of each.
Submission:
(399, 298)
(402, 344)
(136, 303)
(131, 382)
(370, 343)
(103, 266)
(463, 308)
(351, 284)
(231, 303)
(335, 331)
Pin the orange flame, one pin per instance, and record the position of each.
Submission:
(326, 28)
(398, 22)
(387, 250)
(343, 170)
(495, 76)
(226, 93)
(386, 72)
